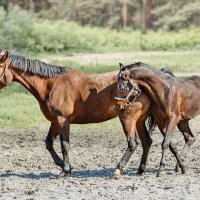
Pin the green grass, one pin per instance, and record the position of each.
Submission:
(18, 108)
(182, 62)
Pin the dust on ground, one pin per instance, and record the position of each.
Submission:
(28, 172)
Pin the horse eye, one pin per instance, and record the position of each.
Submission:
(123, 79)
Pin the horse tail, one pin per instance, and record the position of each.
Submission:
(151, 123)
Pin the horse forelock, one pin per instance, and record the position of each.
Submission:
(36, 67)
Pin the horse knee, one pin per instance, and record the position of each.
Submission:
(132, 144)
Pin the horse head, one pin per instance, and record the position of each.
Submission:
(127, 89)
(5, 73)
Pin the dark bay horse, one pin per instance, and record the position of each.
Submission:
(174, 102)
(67, 96)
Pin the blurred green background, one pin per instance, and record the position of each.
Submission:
(94, 36)
(99, 26)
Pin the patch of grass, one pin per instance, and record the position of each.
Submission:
(18, 108)
(182, 62)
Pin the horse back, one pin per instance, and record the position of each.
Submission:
(190, 81)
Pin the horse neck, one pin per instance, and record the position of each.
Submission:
(152, 83)
(34, 83)
(101, 81)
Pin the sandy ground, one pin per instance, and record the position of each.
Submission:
(27, 171)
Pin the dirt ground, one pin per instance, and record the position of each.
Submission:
(27, 171)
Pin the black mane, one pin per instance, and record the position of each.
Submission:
(138, 64)
(36, 67)
(141, 64)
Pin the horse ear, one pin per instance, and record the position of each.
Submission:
(3, 57)
(121, 66)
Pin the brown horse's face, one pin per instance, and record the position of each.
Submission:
(5, 73)
(127, 90)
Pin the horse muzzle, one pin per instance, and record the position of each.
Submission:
(121, 104)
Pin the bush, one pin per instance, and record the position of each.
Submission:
(22, 30)
(16, 28)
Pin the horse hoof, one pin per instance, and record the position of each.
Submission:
(183, 170)
(160, 173)
(116, 176)
(186, 172)
(64, 173)
(141, 171)
(177, 168)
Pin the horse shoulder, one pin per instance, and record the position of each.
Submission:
(61, 95)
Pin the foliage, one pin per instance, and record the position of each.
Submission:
(22, 30)
(118, 14)
(174, 15)
(16, 28)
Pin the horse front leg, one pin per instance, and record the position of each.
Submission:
(52, 134)
(129, 127)
(64, 130)
(121, 167)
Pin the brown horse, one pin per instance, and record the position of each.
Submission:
(174, 102)
(67, 96)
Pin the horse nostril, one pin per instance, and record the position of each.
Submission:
(117, 106)
(121, 87)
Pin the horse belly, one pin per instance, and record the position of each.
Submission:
(95, 115)
(190, 109)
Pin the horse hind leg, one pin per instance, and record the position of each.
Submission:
(52, 134)
(172, 147)
(174, 150)
(168, 142)
(183, 126)
(146, 144)
(64, 139)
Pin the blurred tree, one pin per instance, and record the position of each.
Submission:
(174, 14)
(4, 4)
(125, 13)
(117, 14)
(35, 5)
